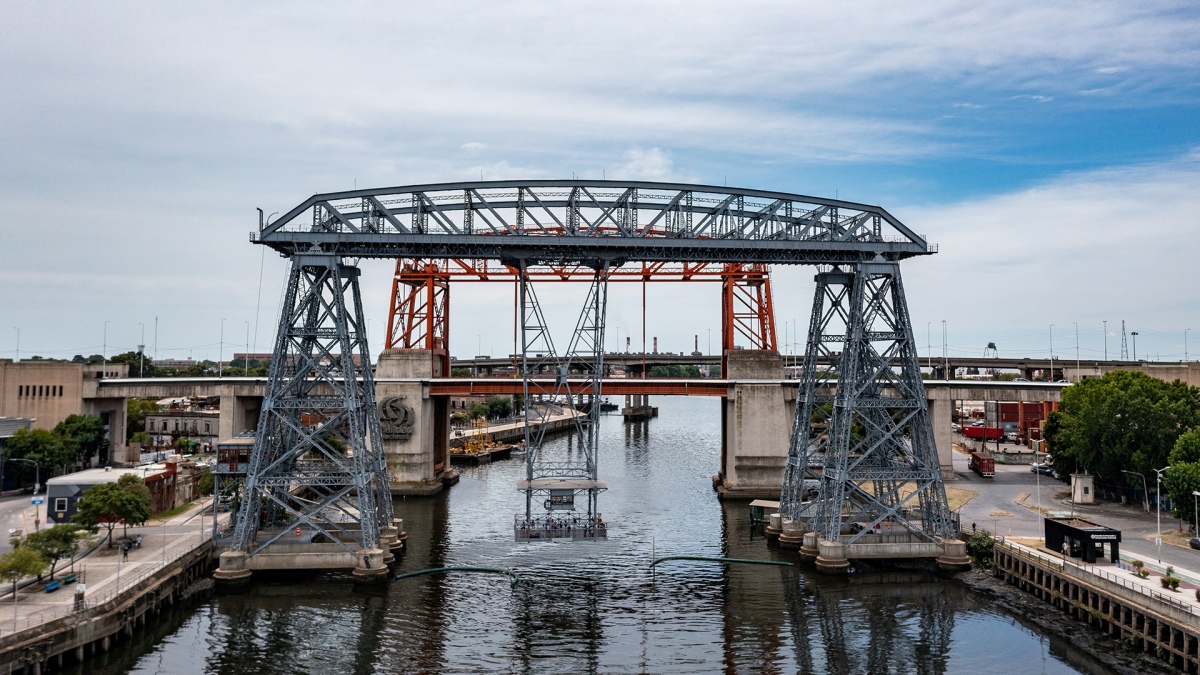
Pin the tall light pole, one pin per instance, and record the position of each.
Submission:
(246, 358)
(1105, 340)
(142, 352)
(1076, 351)
(221, 349)
(1134, 334)
(945, 353)
(929, 346)
(709, 342)
(1051, 378)
(104, 349)
(1037, 446)
(18, 359)
(1145, 490)
(1196, 511)
(1185, 354)
(1158, 508)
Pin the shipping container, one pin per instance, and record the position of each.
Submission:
(990, 433)
(982, 464)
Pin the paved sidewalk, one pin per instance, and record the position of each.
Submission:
(105, 573)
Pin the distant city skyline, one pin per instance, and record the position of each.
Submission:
(1052, 152)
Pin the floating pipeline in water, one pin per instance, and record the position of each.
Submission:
(744, 561)
(514, 578)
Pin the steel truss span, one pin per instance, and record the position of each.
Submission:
(580, 220)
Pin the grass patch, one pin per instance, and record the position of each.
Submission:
(171, 513)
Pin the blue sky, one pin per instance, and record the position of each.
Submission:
(1053, 152)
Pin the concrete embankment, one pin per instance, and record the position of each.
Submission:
(1164, 629)
(96, 628)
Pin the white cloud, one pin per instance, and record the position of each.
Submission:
(1114, 244)
(473, 146)
(652, 164)
(971, 106)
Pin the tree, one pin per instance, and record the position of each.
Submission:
(54, 543)
(458, 419)
(478, 411)
(205, 486)
(136, 411)
(83, 435)
(1180, 480)
(1124, 420)
(460, 372)
(41, 446)
(109, 504)
(499, 406)
(1187, 447)
(142, 437)
(20, 563)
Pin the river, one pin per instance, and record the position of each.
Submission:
(595, 607)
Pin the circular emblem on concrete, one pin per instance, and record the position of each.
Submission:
(396, 418)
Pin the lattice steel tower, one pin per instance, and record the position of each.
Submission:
(862, 449)
(317, 466)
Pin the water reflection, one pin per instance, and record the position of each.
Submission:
(596, 607)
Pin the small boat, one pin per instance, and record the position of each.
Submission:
(608, 406)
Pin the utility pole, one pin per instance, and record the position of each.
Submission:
(1158, 506)
(929, 346)
(246, 358)
(945, 353)
(142, 352)
(1134, 334)
(104, 349)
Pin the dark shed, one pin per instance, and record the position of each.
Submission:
(1086, 539)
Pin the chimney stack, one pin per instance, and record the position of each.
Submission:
(655, 344)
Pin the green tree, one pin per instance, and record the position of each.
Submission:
(142, 437)
(980, 546)
(44, 447)
(136, 411)
(460, 372)
(674, 371)
(110, 504)
(1180, 480)
(1187, 447)
(499, 406)
(478, 410)
(1124, 420)
(54, 543)
(458, 419)
(83, 435)
(20, 563)
(205, 486)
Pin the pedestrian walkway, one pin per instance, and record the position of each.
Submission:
(104, 572)
(1122, 574)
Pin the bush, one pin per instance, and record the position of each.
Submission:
(979, 547)
(1137, 564)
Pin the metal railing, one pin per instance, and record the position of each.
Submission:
(155, 564)
(1171, 606)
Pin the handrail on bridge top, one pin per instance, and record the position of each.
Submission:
(1080, 572)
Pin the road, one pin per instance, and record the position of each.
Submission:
(16, 513)
(999, 508)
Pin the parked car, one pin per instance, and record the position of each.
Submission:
(1194, 542)
(1043, 468)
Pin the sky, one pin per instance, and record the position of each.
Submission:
(1051, 150)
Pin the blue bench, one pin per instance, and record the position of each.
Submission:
(52, 586)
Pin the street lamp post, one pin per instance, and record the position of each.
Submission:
(142, 352)
(1051, 377)
(1185, 354)
(37, 484)
(1134, 334)
(1158, 508)
(1196, 512)
(1145, 490)
(221, 349)
(104, 348)
(1037, 446)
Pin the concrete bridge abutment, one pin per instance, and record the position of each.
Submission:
(756, 426)
(416, 425)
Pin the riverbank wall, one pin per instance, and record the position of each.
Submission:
(96, 629)
(1158, 626)
(515, 432)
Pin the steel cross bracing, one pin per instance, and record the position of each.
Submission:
(862, 449)
(542, 400)
(317, 463)
(576, 220)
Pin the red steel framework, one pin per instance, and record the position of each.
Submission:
(419, 317)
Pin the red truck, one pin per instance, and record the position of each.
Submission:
(990, 433)
(983, 464)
